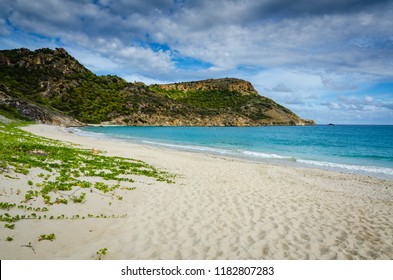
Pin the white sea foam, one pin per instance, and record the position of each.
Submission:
(85, 133)
(265, 155)
(350, 167)
(323, 164)
(189, 147)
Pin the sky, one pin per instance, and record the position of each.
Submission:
(327, 60)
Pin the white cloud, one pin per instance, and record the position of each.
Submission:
(304, 51)
(291, 79)
(224, 33)
(144, 59)
(140, 78)
(360, 105)
(368, 99)
(94, 61)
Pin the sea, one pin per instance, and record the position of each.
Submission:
(359, 149)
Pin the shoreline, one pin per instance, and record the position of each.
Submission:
(255, 156)
(222, 208)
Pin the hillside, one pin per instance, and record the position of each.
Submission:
(50, 86)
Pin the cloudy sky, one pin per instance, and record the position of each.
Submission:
(329, 60)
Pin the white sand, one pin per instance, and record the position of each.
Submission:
(219, 208)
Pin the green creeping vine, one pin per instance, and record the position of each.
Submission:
(78, 199)
(101, 252)
(49, 237)
(63, 170)
(22, 151)
(10, 226)
(7, 206)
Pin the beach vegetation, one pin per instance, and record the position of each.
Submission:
(79, 199)
(47, 199)
(49, 237)
(9, 176)
(9, 238)
(30, 194)
(60, 200)
(69, 162)
(9, 226)
(100, 253)
(66, 173)
(7, 206)
(9, 219)
(102, 187)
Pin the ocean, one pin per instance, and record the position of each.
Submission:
(360, 149)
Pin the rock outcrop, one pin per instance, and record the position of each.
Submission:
(226, 84)
(35, 112)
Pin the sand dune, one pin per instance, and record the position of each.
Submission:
(219, 208)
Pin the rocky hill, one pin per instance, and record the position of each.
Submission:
(228, 84)
(50, 86)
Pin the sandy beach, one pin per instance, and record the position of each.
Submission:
(218, 208)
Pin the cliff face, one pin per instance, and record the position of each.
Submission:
(227, 84)
(50, 86)
(51, 61)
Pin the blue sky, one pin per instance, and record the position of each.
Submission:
(331, 61)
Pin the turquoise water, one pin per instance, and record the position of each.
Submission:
(350, 148)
